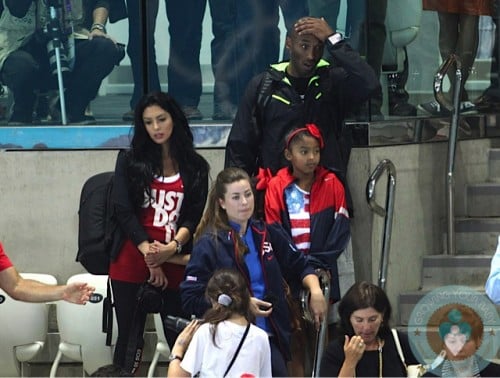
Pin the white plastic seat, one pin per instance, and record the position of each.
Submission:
(80, 328)
(24, 328)
(162, 347)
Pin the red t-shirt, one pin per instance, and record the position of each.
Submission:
(159, 218)
(4, 259)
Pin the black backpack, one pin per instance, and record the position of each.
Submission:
(99, 236)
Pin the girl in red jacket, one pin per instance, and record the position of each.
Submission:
(308, 200)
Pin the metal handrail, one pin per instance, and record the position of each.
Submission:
(387, 212)
(321, 333)
(454, 108)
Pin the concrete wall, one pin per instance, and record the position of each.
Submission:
(39, 196)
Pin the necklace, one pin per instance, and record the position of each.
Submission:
(380, 358)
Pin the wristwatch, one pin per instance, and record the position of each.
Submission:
(98, 26)
(335, 38)
(178, 248)
(174, 357)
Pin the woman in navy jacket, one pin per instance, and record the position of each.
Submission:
(228, 237)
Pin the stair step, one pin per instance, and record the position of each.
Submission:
(409, 299)
(494, 164)
(467, 270)
(477, 235)
(482, 200)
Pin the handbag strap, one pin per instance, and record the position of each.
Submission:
(398, 345)
(238, 349)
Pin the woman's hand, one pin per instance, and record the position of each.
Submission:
(317, 302)
(157, 278)
(258, 307)
(179, 349)
(353, 349)
(318, 307)
(159, 253)
(182, 342)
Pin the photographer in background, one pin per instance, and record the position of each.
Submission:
(28, 38)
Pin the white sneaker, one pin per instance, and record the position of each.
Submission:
(433, 107)
(467, 106)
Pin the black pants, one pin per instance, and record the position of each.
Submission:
(27, 70)
(459, 34)
(125, 294)
(246, 41)
(185, 29)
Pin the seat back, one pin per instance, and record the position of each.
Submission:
(81, 326)
(159, 328)
(162, 347)
(24, 328)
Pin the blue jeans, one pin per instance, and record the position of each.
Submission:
(185, 29)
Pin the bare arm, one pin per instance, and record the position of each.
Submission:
(179, 349)
(34, 291)
(99, 19)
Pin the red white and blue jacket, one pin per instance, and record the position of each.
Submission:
(330, 230)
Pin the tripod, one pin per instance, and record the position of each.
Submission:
(54, 31)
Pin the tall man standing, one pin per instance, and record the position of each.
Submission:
(305, 89)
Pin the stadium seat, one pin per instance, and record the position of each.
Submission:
(80, 328)
(24, 329)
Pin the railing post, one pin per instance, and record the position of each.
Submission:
(452, 142)
(144, 22)
(387, 212)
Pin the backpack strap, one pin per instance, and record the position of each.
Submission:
(107, 314)
(263, 96)
(265, 89)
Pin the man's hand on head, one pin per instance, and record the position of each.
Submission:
(315, 26)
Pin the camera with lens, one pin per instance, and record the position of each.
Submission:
(175, 323)
(150, 298)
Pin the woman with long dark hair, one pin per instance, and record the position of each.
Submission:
(159, 193)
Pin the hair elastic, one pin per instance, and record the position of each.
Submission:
(312, 129)
(224, 300)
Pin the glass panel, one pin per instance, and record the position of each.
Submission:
(208, 76)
